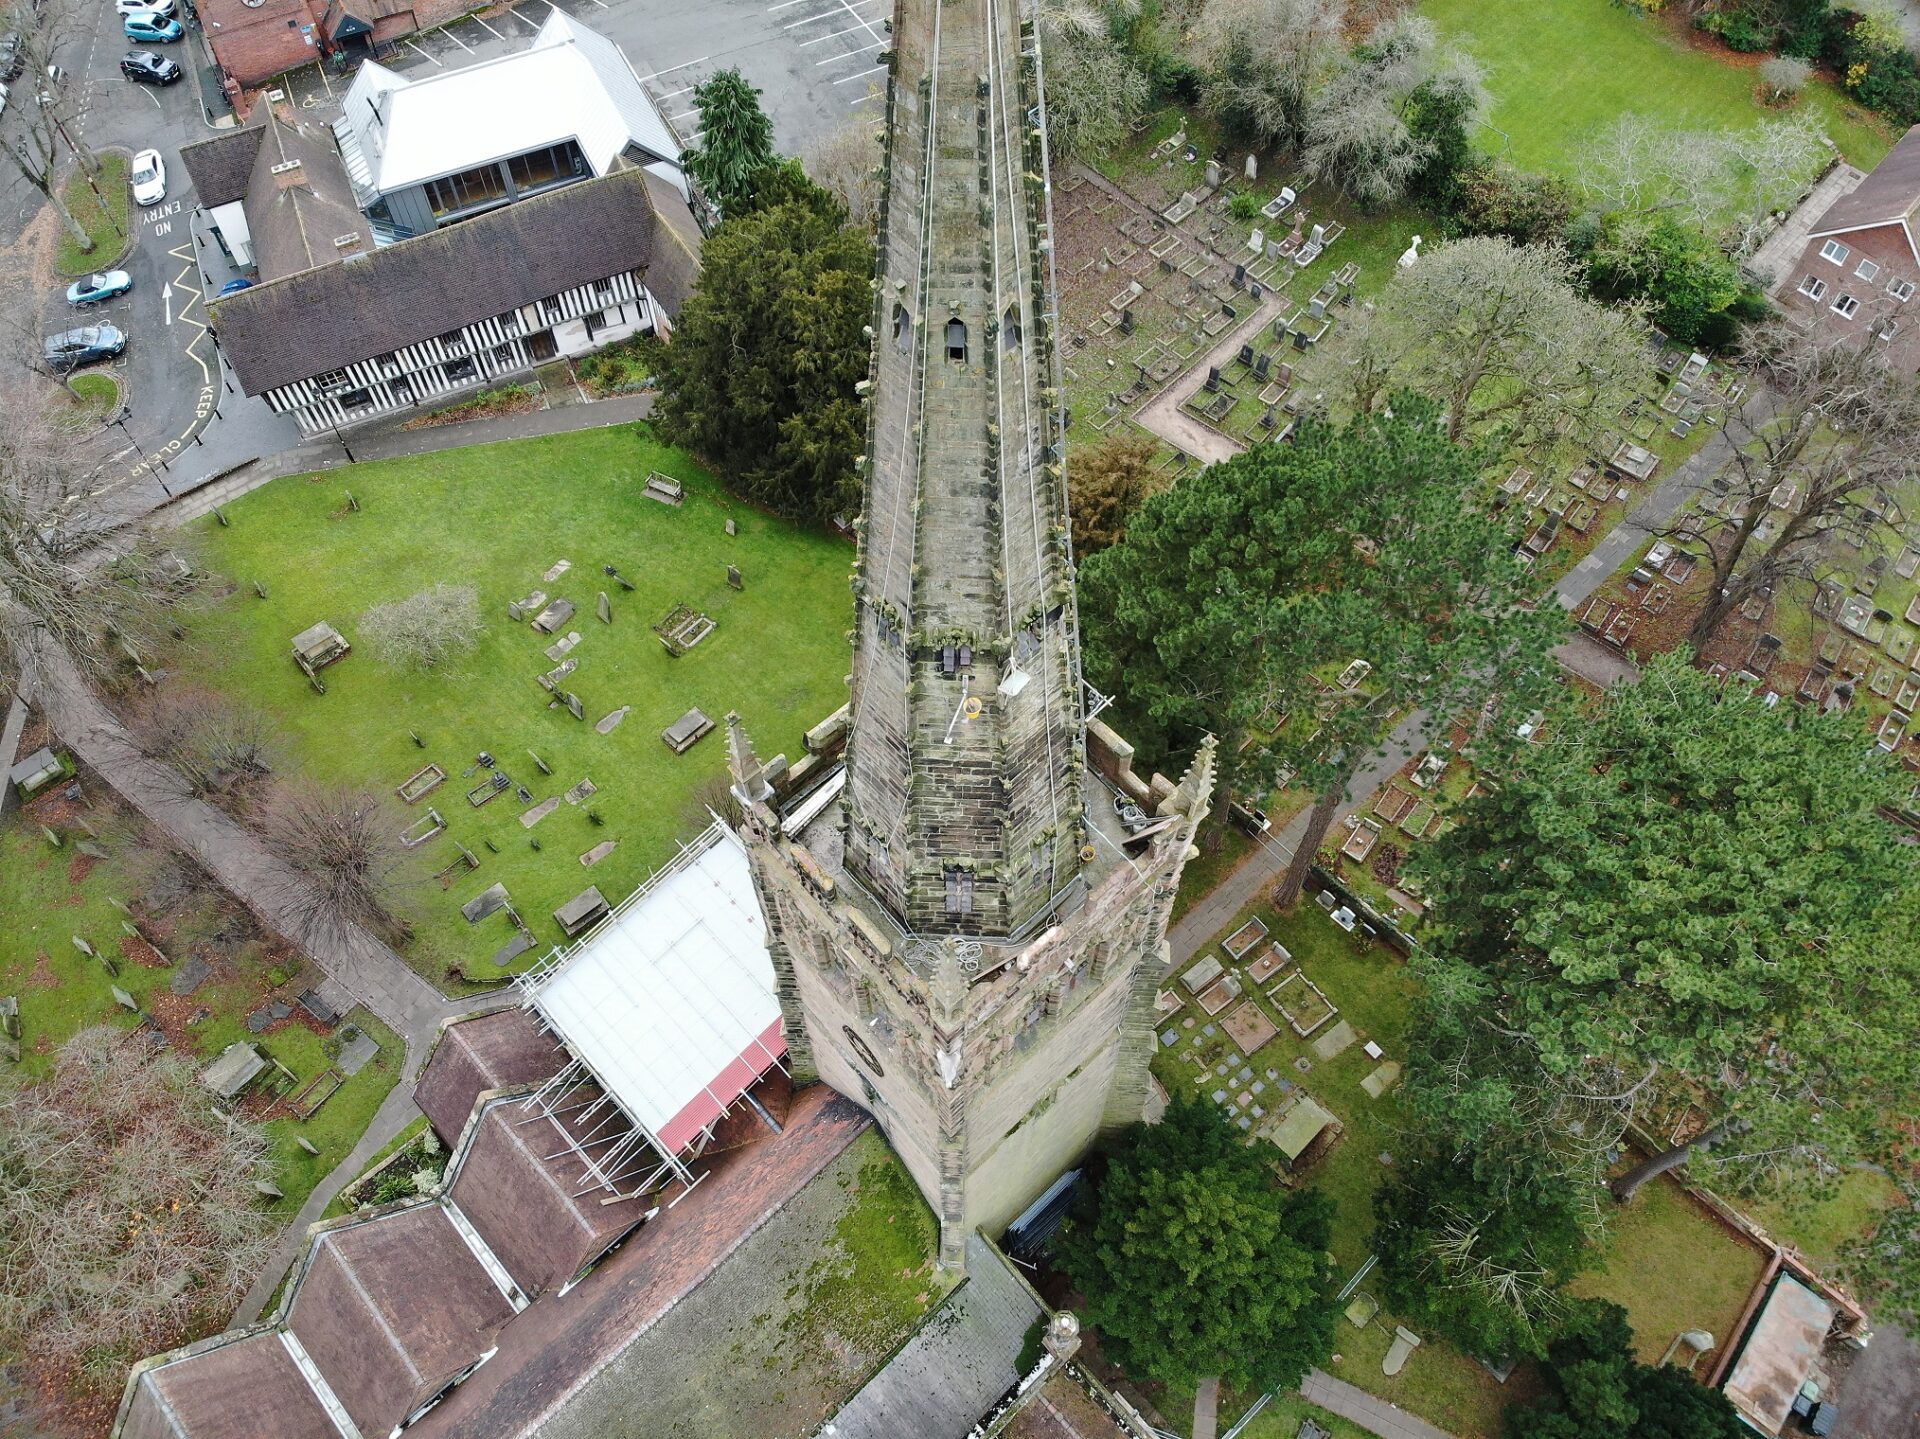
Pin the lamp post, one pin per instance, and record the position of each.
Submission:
(334, 425)
(156, 465)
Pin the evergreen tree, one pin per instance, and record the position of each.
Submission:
(736, 139)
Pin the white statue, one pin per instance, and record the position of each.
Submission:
(1410, 254)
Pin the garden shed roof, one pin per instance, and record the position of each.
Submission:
(1779, 1352)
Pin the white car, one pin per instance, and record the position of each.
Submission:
(162, 8)
(149, 178)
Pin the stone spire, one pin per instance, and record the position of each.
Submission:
(964, 804)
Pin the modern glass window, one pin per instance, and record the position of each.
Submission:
(553, 165)
(1845, 306)
(1901, 290)
(1835, 251)
(1867, 269)
(1812, 287)
(469, 190)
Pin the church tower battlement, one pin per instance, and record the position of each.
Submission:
(968, 938)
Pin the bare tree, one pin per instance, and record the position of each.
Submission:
(1264, 61)
(1835, 432)
(214, 742)
(1727, 182)
(426, 630)
(44, 135)
(846, 163)
(345, 842)
(97, 587)
(1095, 87)
(1499, 334)
(1784, 76)
(127, 1206)
(1357, 137)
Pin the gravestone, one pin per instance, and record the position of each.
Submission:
(574, 706)
(733, 577)
(1253, 168)
(539, 812)
(1258, 241)
(730, 529)
(123, 999)
(1214, 174)
(597, 853)
(488, 901)
(306, 1144)
(611, 722)
(539, 763)
(604, 608)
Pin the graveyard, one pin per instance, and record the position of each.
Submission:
(628, 604)
(190, 973)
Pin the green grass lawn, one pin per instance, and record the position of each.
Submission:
(1650, 1245)
(106, 224)
(1822, 1228)
(50, 895)
(1561, 70)
(497, 518)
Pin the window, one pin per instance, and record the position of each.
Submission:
(863, 1049)
(461, 369)
(454, 339)
(1867, 269)
(469, 190)
(540, 169)
(956, 341)
(1901, 290)
(554, 308)
(1835, 251)
(1888, 329)
(596, 322)
(1813, 288)
(503, 355)
(1845, 306)
(356, 400)
(1010, 328)
(331, 381)
(902, 328)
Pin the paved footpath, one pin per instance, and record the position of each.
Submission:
(1375, 1415)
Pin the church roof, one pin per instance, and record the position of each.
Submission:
(498, 1050)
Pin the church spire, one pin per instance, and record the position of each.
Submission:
(964, 796)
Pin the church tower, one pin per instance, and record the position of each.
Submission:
(968, 939)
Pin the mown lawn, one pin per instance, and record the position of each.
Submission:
(105, 224)
(48, 896)
(498, 518)
(1560, 71)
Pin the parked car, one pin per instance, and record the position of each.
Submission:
(70, 349)
(148, 68)
(149, 178)
(12, 61)
(234, 287)
(3, 99)
(98, 289)
(155, 29)
(154, 7)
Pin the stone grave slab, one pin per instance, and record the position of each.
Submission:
(1249, 1027)
(1335, 1041)
(580, 913)
(1405, 1341)
(267, 1015)
(539, 812)
(560, 567)
(599, 852)
(489, 901)
(1382, 1079)
(192, 973)
(610, 722)
(507, 953)
(557, 651)
(520, 609)
(356, 1054)
(1277, 958)
(1202, 974)
(1361, 1309)
(553, 616)
(580, 791)
(1222, 993)
(1169, 1038)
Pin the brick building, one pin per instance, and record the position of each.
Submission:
(254, 40)
(1856, 277)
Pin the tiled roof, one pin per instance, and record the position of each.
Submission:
(490, 1051)
(220, 167)
(1890, 195)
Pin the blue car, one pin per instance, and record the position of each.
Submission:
(98, 289)
(234, 287)
(71, 349)
(151, 27)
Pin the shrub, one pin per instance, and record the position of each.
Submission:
(1783, 76)
(1493, 198)
(1244, 206)
(425, 630)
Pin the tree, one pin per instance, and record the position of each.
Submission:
(1499, 335)
(1812, 462)
(759, 379)
(1596, 1390)
(426, 630)
(736, 139)
(106, 610)
(1686, 282)
(1681, 901)
(1263, 61)
(1105, 485)
(1359, 134)
(1247, 587)
(345, 842)
(1195, 1263)
(1496, 199)
(1784, 77)
(1094, 86)
(127, 1206)
(846, 164)
(44, 130)
(216, 743)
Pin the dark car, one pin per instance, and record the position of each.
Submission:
(12, 62)
(70, 349)
(149, 68)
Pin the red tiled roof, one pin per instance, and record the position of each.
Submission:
(497, 1050)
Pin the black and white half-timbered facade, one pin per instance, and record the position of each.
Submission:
(467, 306)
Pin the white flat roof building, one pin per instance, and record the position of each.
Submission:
(669, 1002)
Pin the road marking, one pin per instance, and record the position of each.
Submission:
(671, 68)
(167, 294)
(784, 5)
(683, 90)
(488, 28)
(851, 29)
(525, 21)
(848, 55)
(875, 70)
(418, 51)
(458, 41)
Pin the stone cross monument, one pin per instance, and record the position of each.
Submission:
(969, 934)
